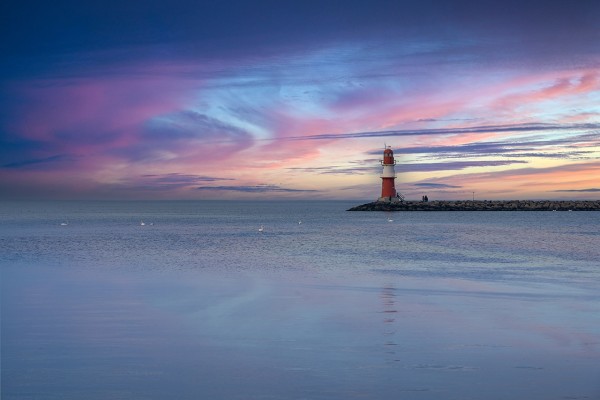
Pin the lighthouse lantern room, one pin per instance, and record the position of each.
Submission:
(388, 176)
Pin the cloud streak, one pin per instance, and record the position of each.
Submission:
(256, 189)
(37, 162)
(509, 128)
(589, 190)
(430, 185)
(404, 168)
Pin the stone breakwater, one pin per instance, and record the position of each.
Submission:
(483, 205)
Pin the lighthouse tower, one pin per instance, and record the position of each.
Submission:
(388, 189)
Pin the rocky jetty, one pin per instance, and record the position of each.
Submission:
(483, 205)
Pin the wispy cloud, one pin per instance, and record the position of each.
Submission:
(175, 178)
(453, 165)
(435, 185)
(590, 190)
(407, 167)
(38, 162)
(334, 170)
(538, 127)
(172, 182)
(255, 189)
(510, 145)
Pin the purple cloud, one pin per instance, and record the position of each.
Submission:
(173, 182)
(539, 127)
(407, 167)
(38, 163)
(255, 189)
(453, 165)
(501, 147)
(590, 190)
(435, 185)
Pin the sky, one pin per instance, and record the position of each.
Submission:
(270, 99)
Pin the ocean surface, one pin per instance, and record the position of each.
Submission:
(322, 304)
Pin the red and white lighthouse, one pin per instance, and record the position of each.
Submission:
(388, 176)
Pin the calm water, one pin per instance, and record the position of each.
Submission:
(198, 304)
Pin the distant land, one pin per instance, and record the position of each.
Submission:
(482, 205)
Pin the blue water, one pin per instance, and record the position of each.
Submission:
(197, 303)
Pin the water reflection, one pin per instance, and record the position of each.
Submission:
(389, 311)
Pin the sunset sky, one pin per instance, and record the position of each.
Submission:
(296, 99)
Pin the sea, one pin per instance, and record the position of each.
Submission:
(193, 300)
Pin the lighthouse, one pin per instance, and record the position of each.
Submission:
(388, 188)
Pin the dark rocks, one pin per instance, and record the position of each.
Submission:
(483, 205)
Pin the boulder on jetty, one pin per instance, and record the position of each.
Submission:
(482, 205)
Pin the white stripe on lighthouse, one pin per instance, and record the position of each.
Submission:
(388, 172)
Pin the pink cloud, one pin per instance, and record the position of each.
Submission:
(90, 114)
(558, 86)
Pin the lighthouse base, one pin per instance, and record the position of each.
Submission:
(389, 200)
